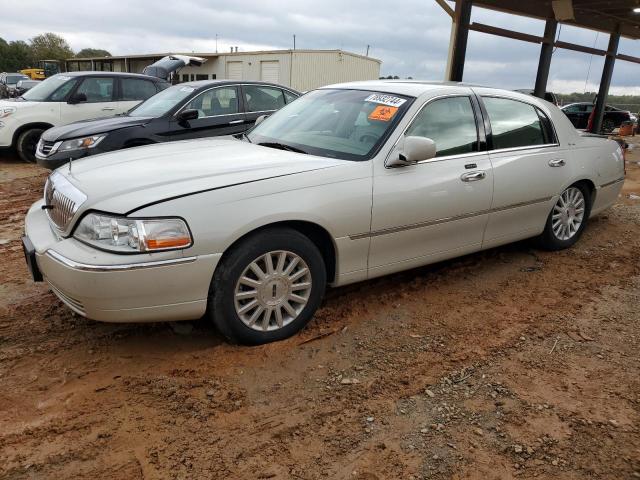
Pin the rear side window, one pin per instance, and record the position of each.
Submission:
(137, 89)
(450, 123)
(97, 89)
(515, 124)
(260, 99)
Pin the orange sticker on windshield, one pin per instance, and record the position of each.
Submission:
(383, 113)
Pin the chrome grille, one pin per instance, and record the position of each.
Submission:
(62, 200)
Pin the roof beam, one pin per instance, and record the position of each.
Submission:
(503, 32)
(445, 6)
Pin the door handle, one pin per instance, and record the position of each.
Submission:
(108, 109)
(236, 122)
(473, 176)
(556, 162)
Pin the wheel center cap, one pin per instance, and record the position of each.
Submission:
(274, 291)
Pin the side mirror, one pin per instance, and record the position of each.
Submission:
(260, 119)
(77, 98)
(188, 114)
(412, 150)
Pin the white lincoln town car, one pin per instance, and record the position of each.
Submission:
(347, 183)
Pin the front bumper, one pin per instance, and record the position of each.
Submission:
(162, 286)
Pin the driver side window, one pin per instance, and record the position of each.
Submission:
(450, 123)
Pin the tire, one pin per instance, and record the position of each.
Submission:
(230, 297)
(573, 204)
(27, 144)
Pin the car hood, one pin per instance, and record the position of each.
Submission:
(92, 127)
(126, 180)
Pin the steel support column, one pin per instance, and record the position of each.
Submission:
(459, 36)
(546, 52)
(605, 81)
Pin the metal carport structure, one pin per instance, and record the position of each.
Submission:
(618, 18)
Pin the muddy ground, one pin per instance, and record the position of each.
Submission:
(510, 363)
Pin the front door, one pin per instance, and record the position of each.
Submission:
(437, 208)
(219, 113)
(100, 102)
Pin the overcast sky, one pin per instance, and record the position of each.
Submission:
(410, 37)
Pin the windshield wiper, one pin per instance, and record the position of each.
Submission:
(282, 146)
(246, 137)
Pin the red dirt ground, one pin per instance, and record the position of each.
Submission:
(510, 363)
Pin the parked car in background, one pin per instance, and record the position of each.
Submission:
(66, 98)
(548, 96)
(580, 112)
(347, 183)
(24, 86)
(205, 108)
(8, 82)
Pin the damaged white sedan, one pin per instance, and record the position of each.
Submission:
(347, 183)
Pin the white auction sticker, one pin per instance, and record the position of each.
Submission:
(389, 100)
(187, 89)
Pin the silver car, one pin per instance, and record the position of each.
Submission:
(347, 183)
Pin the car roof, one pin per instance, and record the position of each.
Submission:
(109, 74)
(207, 83)
(413, 88)
(14, 73)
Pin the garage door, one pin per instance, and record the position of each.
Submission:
(270, 71)
(234, 70)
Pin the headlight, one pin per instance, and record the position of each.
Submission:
(6, 111)
(129, 235)
(81, 143)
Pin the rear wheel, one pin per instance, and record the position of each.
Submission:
(268, 287)
(27, 144)
(567, 219)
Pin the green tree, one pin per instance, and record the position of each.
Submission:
(92, 52)
(14, 56)
(50, 46)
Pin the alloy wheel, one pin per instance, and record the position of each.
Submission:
(272, 290)
(568, 213)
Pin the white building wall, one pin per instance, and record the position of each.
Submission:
(317, 69)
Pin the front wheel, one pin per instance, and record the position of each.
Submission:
(567, 219)
(268, 287)
(27, 144)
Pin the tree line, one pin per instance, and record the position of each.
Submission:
(18, 54)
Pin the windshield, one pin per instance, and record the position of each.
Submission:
(162, 102)
(53, 89)
(13, 79)
(345, 124)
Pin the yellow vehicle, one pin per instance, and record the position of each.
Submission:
(34, 73)
(45, 69)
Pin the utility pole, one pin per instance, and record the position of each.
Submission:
(216, 43)
(367, 51)
(294, 41)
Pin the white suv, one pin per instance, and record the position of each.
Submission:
(67, 98)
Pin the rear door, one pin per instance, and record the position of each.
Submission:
(219, 113)
(100, 100)
(133, 91)
(529, 168)
(261, 100)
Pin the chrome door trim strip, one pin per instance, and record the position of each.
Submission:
(621, 179)
(124, 267)
(413, 226)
